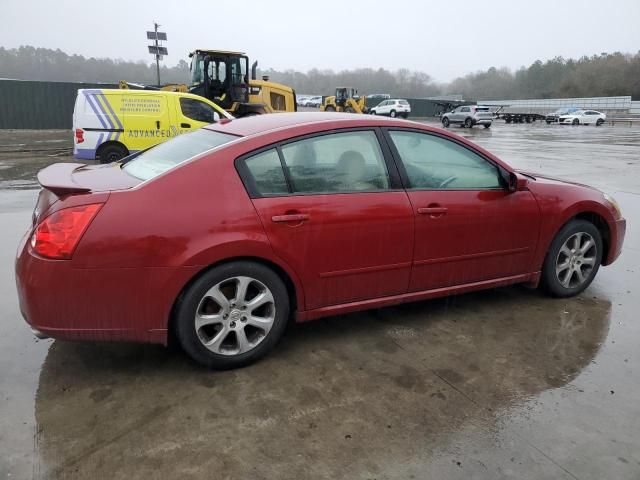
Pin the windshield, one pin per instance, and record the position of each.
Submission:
(197, 69)
(165, 156)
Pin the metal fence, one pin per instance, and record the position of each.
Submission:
(617, 105)
(39, 105)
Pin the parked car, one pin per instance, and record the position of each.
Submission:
(586, 117)
(301, 100)
(392, 108)
(109, 124)
(468, 116)
(555, 116)
(314, 102)
(315, 215)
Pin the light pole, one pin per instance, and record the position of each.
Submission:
(156, 49)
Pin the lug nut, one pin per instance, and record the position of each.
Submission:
(233, 324)
(244, 319)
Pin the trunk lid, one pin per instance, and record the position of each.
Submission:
(62, 180)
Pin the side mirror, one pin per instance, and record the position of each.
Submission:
(517, 182)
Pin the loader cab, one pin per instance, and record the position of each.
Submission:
(344, 93)
(220, 76)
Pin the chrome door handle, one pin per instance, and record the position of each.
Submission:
(292, 217)
(432, 211)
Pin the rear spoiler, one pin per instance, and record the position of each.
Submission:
(58, 178)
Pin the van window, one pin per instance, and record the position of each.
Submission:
(198, 110)
(165, 156)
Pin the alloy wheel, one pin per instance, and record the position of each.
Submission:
(576, 260)
(235, 315)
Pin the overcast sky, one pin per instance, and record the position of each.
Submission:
(442, 38)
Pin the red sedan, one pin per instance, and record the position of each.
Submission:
(219, 236)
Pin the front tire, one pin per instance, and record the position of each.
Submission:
(575, 122)
(232, 315)
(445, 122)
(393, 114)
(573, 259)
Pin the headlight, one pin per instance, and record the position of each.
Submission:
(614, 204)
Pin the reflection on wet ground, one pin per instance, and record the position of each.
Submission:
(500, 384)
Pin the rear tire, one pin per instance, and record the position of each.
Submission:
(468, 123)
(573, 259)
(487, 125)
(216, 324)
(112, 152)
(372, 112)
(445, 122)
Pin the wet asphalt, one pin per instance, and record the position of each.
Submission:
(505, 383)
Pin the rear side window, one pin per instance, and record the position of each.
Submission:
(338, 162)
(165, 156)
(266, 173)
(403, 102)
(198, 111)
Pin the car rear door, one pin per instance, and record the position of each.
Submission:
(334, 210)
(468, 228)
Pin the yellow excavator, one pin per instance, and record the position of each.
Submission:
(223, 78)
(346, 100)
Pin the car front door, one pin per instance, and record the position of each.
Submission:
(468, 228)
(383, 108)
(334, 210)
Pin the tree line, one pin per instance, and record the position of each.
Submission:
(606, 74)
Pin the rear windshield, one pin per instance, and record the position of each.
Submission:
(165, 156)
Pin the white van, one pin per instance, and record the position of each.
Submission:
(109, 124)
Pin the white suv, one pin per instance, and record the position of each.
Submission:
(393, 108)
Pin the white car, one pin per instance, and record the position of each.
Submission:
(393, 108)
(586, 117)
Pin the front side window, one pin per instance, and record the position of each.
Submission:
(165, 156)
(338, 162)
(435, 163)
(198, 110)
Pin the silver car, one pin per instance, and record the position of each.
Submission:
(468, 116)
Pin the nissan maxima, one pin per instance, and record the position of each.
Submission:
(217, 238)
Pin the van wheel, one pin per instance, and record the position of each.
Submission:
(232, 315)
(112, 152)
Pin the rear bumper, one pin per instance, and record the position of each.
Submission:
(483, 121)
(110, 304)
(617, 239)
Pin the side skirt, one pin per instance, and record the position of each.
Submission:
(531, 279)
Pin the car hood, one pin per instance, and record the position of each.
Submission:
(542, 178)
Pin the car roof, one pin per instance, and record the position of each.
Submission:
(257, 124)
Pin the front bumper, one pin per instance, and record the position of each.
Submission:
(618, 231)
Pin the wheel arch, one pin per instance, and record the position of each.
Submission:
(293, 286)
(590, 216)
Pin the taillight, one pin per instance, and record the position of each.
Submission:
(79, 135)
(57, 235)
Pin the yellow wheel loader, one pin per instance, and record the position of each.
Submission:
(223, 78)
(346, 100)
